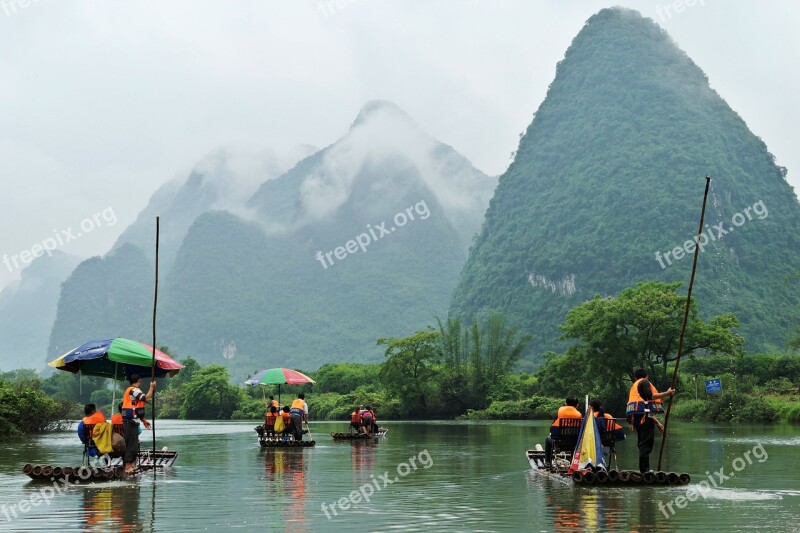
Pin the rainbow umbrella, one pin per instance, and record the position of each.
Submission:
(116, 359)
(279, 376)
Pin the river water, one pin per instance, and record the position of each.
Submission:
(437, 476)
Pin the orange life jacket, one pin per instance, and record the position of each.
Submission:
(637, 405)
(95, 418)
(116, 419)
(566, 411)
(608, 416)
(271, 417)
(274, 403)
(354, 419)
(131, 409)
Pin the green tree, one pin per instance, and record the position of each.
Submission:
(477, 359)
(408, 371)
(209, 395)
(638, 328)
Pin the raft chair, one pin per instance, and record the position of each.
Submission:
(567, 439)
(85, 434)
(608, 439)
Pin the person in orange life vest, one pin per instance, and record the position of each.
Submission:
(269, 422)
(273, 403)
(355, 421)
(602, 422)
(287, 421)
(299, 413)
(133, 402)
(599, 412)
(93, 415)
(116, 418)
(643, 401)
(568, 410)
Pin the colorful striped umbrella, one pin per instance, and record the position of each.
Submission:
(117, 359)
(279, 376)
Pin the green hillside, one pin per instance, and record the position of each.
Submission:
(104, 298)
(611, 171)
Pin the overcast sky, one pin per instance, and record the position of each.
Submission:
(102, 102)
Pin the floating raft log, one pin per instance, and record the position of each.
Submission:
(272, 443)
(623, 478)
(76, 474)
(356, 436)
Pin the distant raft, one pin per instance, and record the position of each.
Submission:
(559, 470)
(359, 436)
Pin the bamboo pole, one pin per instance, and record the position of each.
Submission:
(685, 319)
(153, 370)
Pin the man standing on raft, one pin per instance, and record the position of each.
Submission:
(299, 414)
(644, 400)
(133, 401)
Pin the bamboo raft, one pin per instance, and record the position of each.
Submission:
(623, 478)
(272, 443)
(148, 460)
(77, 474)
(343, 435)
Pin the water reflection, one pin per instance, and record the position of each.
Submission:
(111, 508)
(362, 459)
(286, 480)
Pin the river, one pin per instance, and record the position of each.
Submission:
(431, 476)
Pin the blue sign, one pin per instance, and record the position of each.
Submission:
(713, 385)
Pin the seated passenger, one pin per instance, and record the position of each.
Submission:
(568, 410)
(92, 418)
(355, 421)
(287, 422)
(599, 412)
(374, 420)
(116, 418)
(269, 421)
(602, 416)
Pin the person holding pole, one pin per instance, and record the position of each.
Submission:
(133, 402)
(644, 400)
(299, 413)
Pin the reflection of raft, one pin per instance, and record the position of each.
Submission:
(271, 443)
(356, 436)
(560, 467)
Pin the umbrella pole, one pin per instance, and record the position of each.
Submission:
(114, 394)
(153, 370)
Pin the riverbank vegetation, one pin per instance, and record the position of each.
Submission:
(25, 408)
(453, 370)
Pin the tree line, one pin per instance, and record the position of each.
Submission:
(455, 369)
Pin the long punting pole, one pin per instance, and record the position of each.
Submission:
(685, 319)
(153, 371)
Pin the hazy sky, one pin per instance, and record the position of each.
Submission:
(102, 102)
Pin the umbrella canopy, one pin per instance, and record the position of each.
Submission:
(279, 376)
(116, 358)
